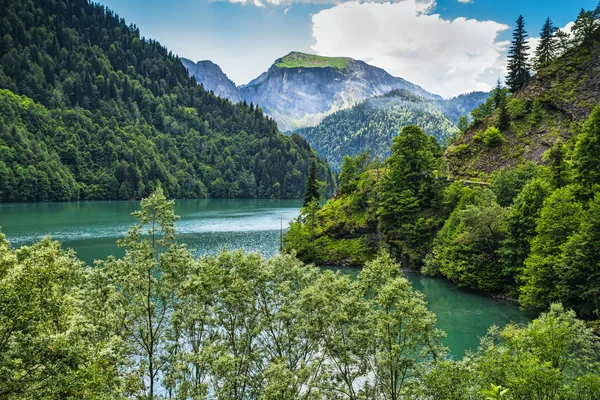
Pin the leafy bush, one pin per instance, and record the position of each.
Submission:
(492, 137)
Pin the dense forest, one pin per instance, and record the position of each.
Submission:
(90, 110)
(371, 126)
(159, 324)
(528, 231)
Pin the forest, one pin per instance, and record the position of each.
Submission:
(91, 110)
(372, 124)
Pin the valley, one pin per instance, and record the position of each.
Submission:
(328, 230)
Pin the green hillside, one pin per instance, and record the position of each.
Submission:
(90, 110)
(371, 125)
(529, 231)
(550, 108)
(303, 60)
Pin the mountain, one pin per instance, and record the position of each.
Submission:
(371, 125)
(213, 79)
(463, 104)
(551, 107)
(300, 89)
(90, 110)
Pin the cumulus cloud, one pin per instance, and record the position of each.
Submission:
(408, 40)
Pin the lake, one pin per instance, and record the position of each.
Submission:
(206, 226)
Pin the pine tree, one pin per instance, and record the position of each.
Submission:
(312, 185)
(498, 94)
(586, 24)
(546, 49)
(563, 42)
(518, 63)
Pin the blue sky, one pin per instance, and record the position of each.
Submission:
(446, 46)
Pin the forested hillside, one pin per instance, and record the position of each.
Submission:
(371, 125)
(530, 232)
(550, 107)
(89, 110)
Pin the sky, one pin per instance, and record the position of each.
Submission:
(446, 46)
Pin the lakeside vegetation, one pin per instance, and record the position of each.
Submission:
(158, 324)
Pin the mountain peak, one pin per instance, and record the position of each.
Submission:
(297, 59)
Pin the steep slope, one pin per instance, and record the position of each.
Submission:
(300, 89)
(213, 79)
(92, 111)
(551, 107)
(371, 125)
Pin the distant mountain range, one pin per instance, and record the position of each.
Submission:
(299, 89)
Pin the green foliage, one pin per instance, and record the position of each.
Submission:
(578, 275)
(518, 63)
(465, 249)
(560, 217)
(521, 223)
(585, 157)
(372, 125)
(507, 183)
(408, 190)
(541, 360)
(486, 109)
(312, 186)
(517, 108)
(352, 168)
(53, 345)
(545, 51)
(492, 137)
(585, 26)
(463, 123)
(559, 169)
(553, 357)
(90, 110)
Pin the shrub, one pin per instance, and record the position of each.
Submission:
(492, 137)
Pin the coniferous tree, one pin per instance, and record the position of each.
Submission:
(546, 49)
(563, 42)
(498, 94)
(312, 186)
(585, 25)
(518, 58)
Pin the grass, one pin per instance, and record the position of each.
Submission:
(303, 60)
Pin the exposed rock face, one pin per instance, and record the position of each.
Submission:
(299, 90)
(213, 78)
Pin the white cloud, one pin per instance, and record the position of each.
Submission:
(406, 39)
(465, 1)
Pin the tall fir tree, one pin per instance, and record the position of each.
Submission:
(518, 58)
(585, 25)
(546, 49)
(312, 185)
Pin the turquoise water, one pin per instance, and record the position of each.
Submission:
(206, 226)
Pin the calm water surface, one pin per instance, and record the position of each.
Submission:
(206, 226)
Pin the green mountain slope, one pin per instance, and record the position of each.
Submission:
(302, 60)
(371, 126)
(90, 110)
(552, 106)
